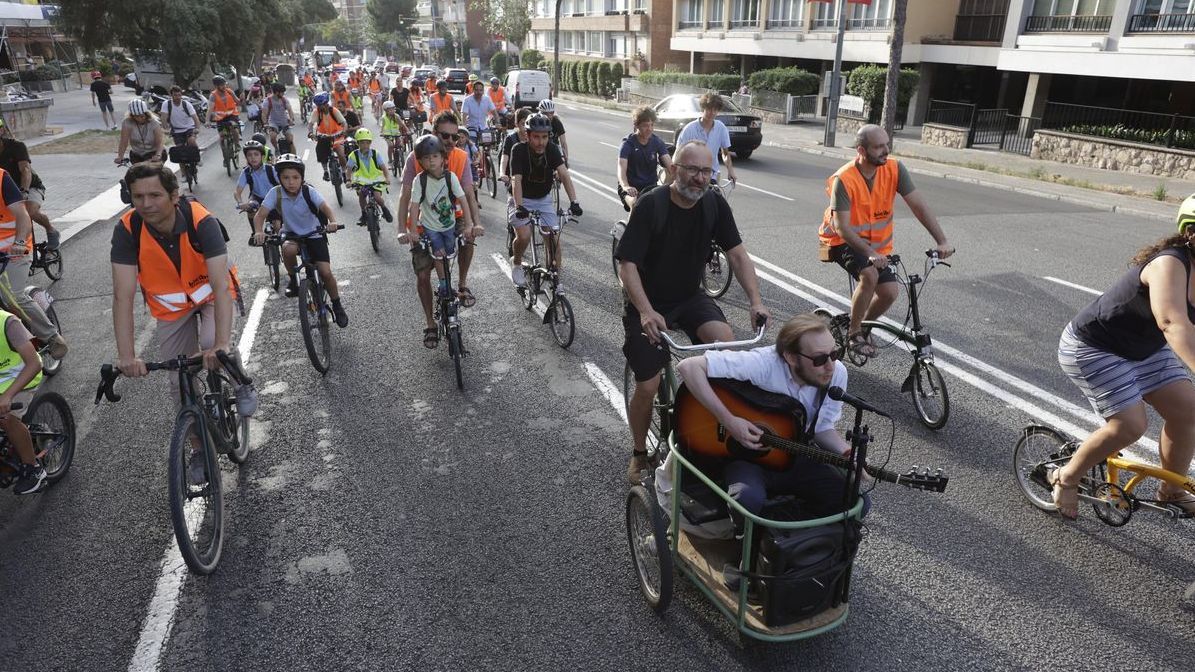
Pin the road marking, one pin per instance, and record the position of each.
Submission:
(159, 617)
(594, 186)
(609, 145)
(764, 191)
(1072, 285)
(306, 153)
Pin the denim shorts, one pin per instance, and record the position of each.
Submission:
(442, 242)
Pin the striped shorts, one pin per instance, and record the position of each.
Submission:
(1111, 382)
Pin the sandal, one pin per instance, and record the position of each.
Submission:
(1180, 500)
(1065, 505)
(431, 338)
(466, 297)
(861, 345)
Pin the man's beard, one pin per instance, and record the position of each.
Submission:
(691, 193)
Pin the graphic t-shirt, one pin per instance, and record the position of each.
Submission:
(436, 211)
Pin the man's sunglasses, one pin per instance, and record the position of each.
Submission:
(820, 360)
(447, 136)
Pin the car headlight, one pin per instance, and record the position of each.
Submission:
(756, 124)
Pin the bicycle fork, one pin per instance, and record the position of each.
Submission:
(923, 347)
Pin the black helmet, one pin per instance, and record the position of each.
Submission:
(259, 137)
(254, 146)
(290, 161)
(218, 80)
(428, 145)
(539, 123)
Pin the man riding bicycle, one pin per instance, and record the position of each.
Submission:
(534, 167)
(477, 110)
(330, 126)
(224, 108)
(638, 157)
(367, 168)
(497, 94)
(710, 130)
(856, 230)
(441, 100)
(182, 121)
(279, 118)
(662, 257)
(548, 109)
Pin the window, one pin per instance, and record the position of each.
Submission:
(1073, 7)
(1070, 16)
(616, 5)
(566, 40)
(715, 13)
(745, 14)
(1163, 16)
(641, 4)
(785, 14)
(876, 16)
(1164, 7)
(826, 15)
(545, 8)
(980, 20)
(548, 39)
(616, 45)
(690, 13)
(594, 42)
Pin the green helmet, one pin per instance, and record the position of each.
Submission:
(363, 135)
(1186, 214)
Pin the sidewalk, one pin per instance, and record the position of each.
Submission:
(1109, 190)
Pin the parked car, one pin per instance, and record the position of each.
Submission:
(393, 68)
(457, 78)
(420, 76)
(405, 71)
(746, 130)
(528, 87)
(378, 64)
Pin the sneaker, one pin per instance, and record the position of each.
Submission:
(1182, 501)
(292, 288)
(361, 221)
(58, 347)
(327, 178)
(636, 468)
(517, 274)
(386, 214)
(33, 479)
(53, 238)
(196, 468)
(342, 318)
(246, 401)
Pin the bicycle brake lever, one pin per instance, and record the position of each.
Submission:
(108, 375)
(234, 368)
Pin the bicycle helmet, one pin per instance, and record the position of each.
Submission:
(473, 77)
(321, 98)
(547, 105)
(218, 80)
(1186, 214)
(259, 137)
(538, 123)
(428, 145)
(388, 105)
(254, 146)
(290, 161)
(493, 80)
(442, 84)
(363, 135)
(278, 87)
(137, 106)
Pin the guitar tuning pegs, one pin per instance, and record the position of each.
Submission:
(914, 469)
(939, 472)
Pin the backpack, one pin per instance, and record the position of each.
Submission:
(373, 154)
(323, 220)
(423, 186)
(170, 109)
(660, 205)
(271, 176)
(184, 206)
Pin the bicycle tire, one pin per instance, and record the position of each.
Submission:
(371, 222)
(1039, 445)
(628, 391)
(491, 176)
(928, 386)
(52, 263)
(234, 428)
(51, 365)
(52, 427)
(715, 281)
(651, 555)
(530, 293)
(275, 266)
(310, 321)
(198, 528)
(456, 350)
(189, 175)
(561, 319)
(337, 185)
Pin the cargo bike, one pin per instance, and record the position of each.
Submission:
(788, 576)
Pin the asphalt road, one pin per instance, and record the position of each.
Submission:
(385, 520)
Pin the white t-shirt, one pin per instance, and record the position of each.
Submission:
(764, 368)
(717, 139)
(179, 117)
(436, 212)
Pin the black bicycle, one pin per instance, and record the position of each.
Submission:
(371, 214)
(52, 427)
(924, 382)
(447, 312)
(281, 144)
(332, 165)
(186, 156)
(208, 424)
(272, 247)
(315, 308)
(41, 257)
(544, 278)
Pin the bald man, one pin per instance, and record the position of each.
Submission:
(662, 257)
(857, 227)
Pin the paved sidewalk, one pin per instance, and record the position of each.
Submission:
(969, 165)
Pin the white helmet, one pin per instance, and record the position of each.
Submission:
(388, 105)
(547, 105)
(138, 106)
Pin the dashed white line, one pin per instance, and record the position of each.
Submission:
(1072, 285)
(306, 153)
(609, 145)
(764, 191)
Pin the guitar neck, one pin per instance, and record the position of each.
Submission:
(825, 457)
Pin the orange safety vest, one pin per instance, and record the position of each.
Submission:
(430, 86)
(171, 293)
(354, 81)
(498, 96)
(342, 96)
(326, 124)
(871, 209)
(415, 98)
(225, 105)
(375, 86)
(308, 81)
(8, 224)
(458, 162)
(442, 102)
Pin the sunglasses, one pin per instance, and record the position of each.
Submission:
(447, 136)
(820, 360)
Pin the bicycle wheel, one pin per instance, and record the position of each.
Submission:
(229, 155)
(1039, 447)
(337, 181)
(647, 536)
(313, 326)
(456, 350)
(628, 391)
(491, 176)
(52, 427)
(718, 274)
(371, 222)
(510, 240)
(197, 510)
(838, 328)
(52, 263)
(234, 429)
(929, 394)
(531, 292)
(561, 318)
(49, 364)
(189, 174)
(274, 265)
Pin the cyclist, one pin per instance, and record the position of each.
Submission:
(515, 136)
(418, 111)
(15, 239)
(367, 168)
(341, 98)
(375, 94)
(662, 257)
(465, 142)
(477, 109)
(352, 120)
(222, 106)
(303, 211)
(14, 159)
(254, 98)
(429, 86)
(267, 151)
(400, 95)
(638, 157)
(710, 130)
(141, 134)
(856, 230)
(258, 177)
(20, 374)
(548, 108)
(393, 127)
(441, 100)
(432, 205)
(1127, 349)
(330, 125)
(534, 166)
(182, 121)
(497, 94)
(278, 117)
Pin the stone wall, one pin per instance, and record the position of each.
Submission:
(1108, 154)
(942, 135)
(26, 118)
(849, 124)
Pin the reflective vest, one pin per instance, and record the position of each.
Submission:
(366, 170)
(458, 163)
(416, 99)
(430, 86)
(326, 124)
(375, 86)
(498, 96)
(871, 209)
(341, 96)
(225, 105)
(354, 81)
(391, 124)
(442, 102)
(8, 224)
(172, 293)
(11, 363)
(308, 81)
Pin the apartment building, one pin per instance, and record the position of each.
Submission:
(457, 19)
(635, 33)
(1014, 54)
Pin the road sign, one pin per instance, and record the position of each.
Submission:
(435, 42)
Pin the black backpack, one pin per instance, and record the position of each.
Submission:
(271, 177)
(184, 206)
(661, 200)
(423, 186)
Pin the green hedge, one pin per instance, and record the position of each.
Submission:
(616, 75)
(1182, 139)
(792, 81)
(867, 82)
(595, 82)
(499, 64)
(585, 80)
(531, 59)
(606, 77)
(723, 83)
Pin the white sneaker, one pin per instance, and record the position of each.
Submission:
(518, 274)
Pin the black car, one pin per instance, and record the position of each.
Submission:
(419, 78)
(746, 130)
(457, 78)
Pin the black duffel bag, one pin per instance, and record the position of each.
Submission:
(184, 154)
(803, 572)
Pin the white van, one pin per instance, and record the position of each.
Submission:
(528, 87)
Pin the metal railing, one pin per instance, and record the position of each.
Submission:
(740, 24)
(785, 23)
(1068, 24)
(1018, 134)
(690, 25)
(1162, 23)
(950, 113)
(979, 28)
(801, 106)
(1153, 128)
(874, 23)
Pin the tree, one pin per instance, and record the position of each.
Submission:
(499, 64)
(509, 18)
(892, 84)
(391, 18)
(337, 31)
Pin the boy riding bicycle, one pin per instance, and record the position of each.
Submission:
(367, 168)
(436, 196)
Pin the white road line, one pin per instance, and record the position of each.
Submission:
(609, 145)
(765, 191)
(594, 186)
(306, 153)
(159, 617)
(1072, 285)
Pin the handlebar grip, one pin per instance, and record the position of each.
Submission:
(760, 322)
(933, 254)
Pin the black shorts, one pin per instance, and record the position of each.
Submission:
(317, 248)
(846, 257)
(647, 360)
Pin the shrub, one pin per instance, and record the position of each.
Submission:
(792, 81)
(531, 59)
(867, 82)
(1182, 139)
(572, 75)
(723, 83)
(616, 74)
(583, 76)
(499, 64)
(605, 79)
(595, 82)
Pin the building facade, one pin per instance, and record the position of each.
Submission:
(635, 33)
(454, 20)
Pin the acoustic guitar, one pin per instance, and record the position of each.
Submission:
(700, 432)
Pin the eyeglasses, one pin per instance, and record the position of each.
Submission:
(696, 170)
(447, 136)
(820, 360)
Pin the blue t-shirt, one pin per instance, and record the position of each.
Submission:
(717, 139)
(642, 159)
(258, 181)
(297, 217)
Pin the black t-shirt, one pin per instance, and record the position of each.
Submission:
(12, 153)
(351, 119)
(538, 172)
(508, 144)
(672, 258)
(102, 90)
(400, 95)
(557, 127)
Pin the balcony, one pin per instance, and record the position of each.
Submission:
(878, 23)
(1162, 23)
(785, 24)
(1068, 24)
(742, 23)
(979, 28)
(689, 25)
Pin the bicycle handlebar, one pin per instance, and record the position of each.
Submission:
(717, 345)
(109, 373)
